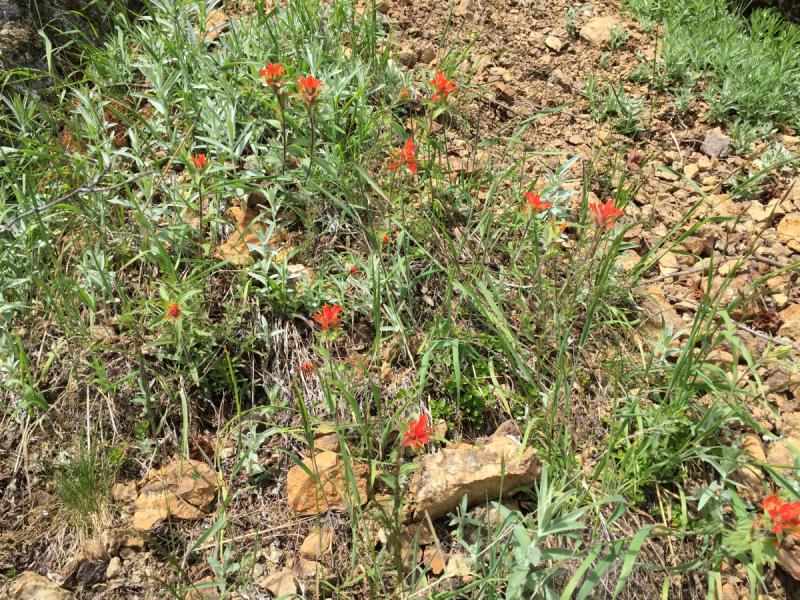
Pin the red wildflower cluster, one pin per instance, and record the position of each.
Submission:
(353, 270)
(173, 312)
(200, 162)
(404, 93)
(273, 76)
(781, 516)
(385, 239)
(417, 434)
(443, 86)
(534, 203)
(309, 88)
(605, 214)
(306, 368)
(404, 157)
(328, 316)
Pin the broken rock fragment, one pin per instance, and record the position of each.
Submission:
(309, 495)
(444, 478)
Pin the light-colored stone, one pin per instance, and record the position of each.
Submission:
(32, 586)
(459, 567)
(317, 544)
(716, 144)
(407, 57)
(597, 31)
(444, 478)
(704, 164)
(553, 43)
(114, 568)
(691, 171)
(305, 496)
(184, 489)
(94, 551)
(779, 455)
(789, 231)
(751, 475)
(791, 323)
(280, 584)
(434, 559)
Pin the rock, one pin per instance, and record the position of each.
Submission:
(790, 559)
(789, 231)
(184, 489)
(125, 493)
(444, 478)
(716, 144)
(434, 559)
(407, 57)
(576, 140)
(789, 426)
(459, 567)
(101, 333)
(238, 247)
(304, 493)
(280, 584)
(316, 544)
(504, 92)
(114, 568)
(93, 551)
(202, 591)
(111, 542)
(729, 592)
(791, 323)
(562, 79)
(704, 164)
(553, 43)
(691, 171)
(90, 573)
(779, 455)
(328, 443)
(217, 22)
(32, 586)
(660, 313)
(427, 53)
(751, 475)
(597, 31)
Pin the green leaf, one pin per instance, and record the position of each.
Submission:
(630, 557)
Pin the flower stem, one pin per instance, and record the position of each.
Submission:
(311, 152)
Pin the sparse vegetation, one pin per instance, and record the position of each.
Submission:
(257, 263)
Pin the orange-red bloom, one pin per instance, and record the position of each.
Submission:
(443, 86)
(781, 515)
(200, 162)
(605, 214)
(309, 88)
(535, 203)
(404, 93)
(353, 270)
(385, 239)
(173, 312)
(404, 157)
(417, 434)
(306, 368)
(273, 75)
(328, 316)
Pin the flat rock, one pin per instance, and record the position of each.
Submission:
(597, 31)
(554, 43)
(791, 323)
(280, 584)
(184, 489)
(317, 544)
(308, 496)
(444, 478)
(751, 476)
(32, 586)
(716, 144)
(789, 231)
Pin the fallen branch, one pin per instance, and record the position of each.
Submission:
(757, 257)
(80, 190)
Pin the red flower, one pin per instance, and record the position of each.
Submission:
(353, 270)
(535, 203)
(417, 434)
(199, 162)
(173, 312)
(328, 316)
(404, 157)
(273, 75)
(605, 214)
(306, 368)
(385, 239)
(781, 515)
(404, 93)
(561, 227)
(443, 87)
(309, 88)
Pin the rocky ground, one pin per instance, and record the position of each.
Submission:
(525, 64)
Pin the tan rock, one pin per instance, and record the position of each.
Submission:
(779, 455)
(597, 31)
(236, 248)
(789, 231)
(217, 22)
(668, 264)
(94, 551)
(307, 495)
(729, 592)
(660, 313)
(444, 478)
(751, 476)
(317, 544)
(125, 492)
(280, 584)
(32, 586)
(407, 57)
(459, 566)
(114, 568)
(553, 43)
(184, 489)
(791, 323)
(434, 559)
(207, 592)
(790, 560)
(703, 164)
(691, 171)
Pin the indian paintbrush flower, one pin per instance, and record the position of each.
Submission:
(328, 316)
(417, 433)
(780, 515)
(273, 76)
(200, 161)
(443, 86)
(309, 88)
(605, 214)
(404, 157)
(534, 202)
(173, 312)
